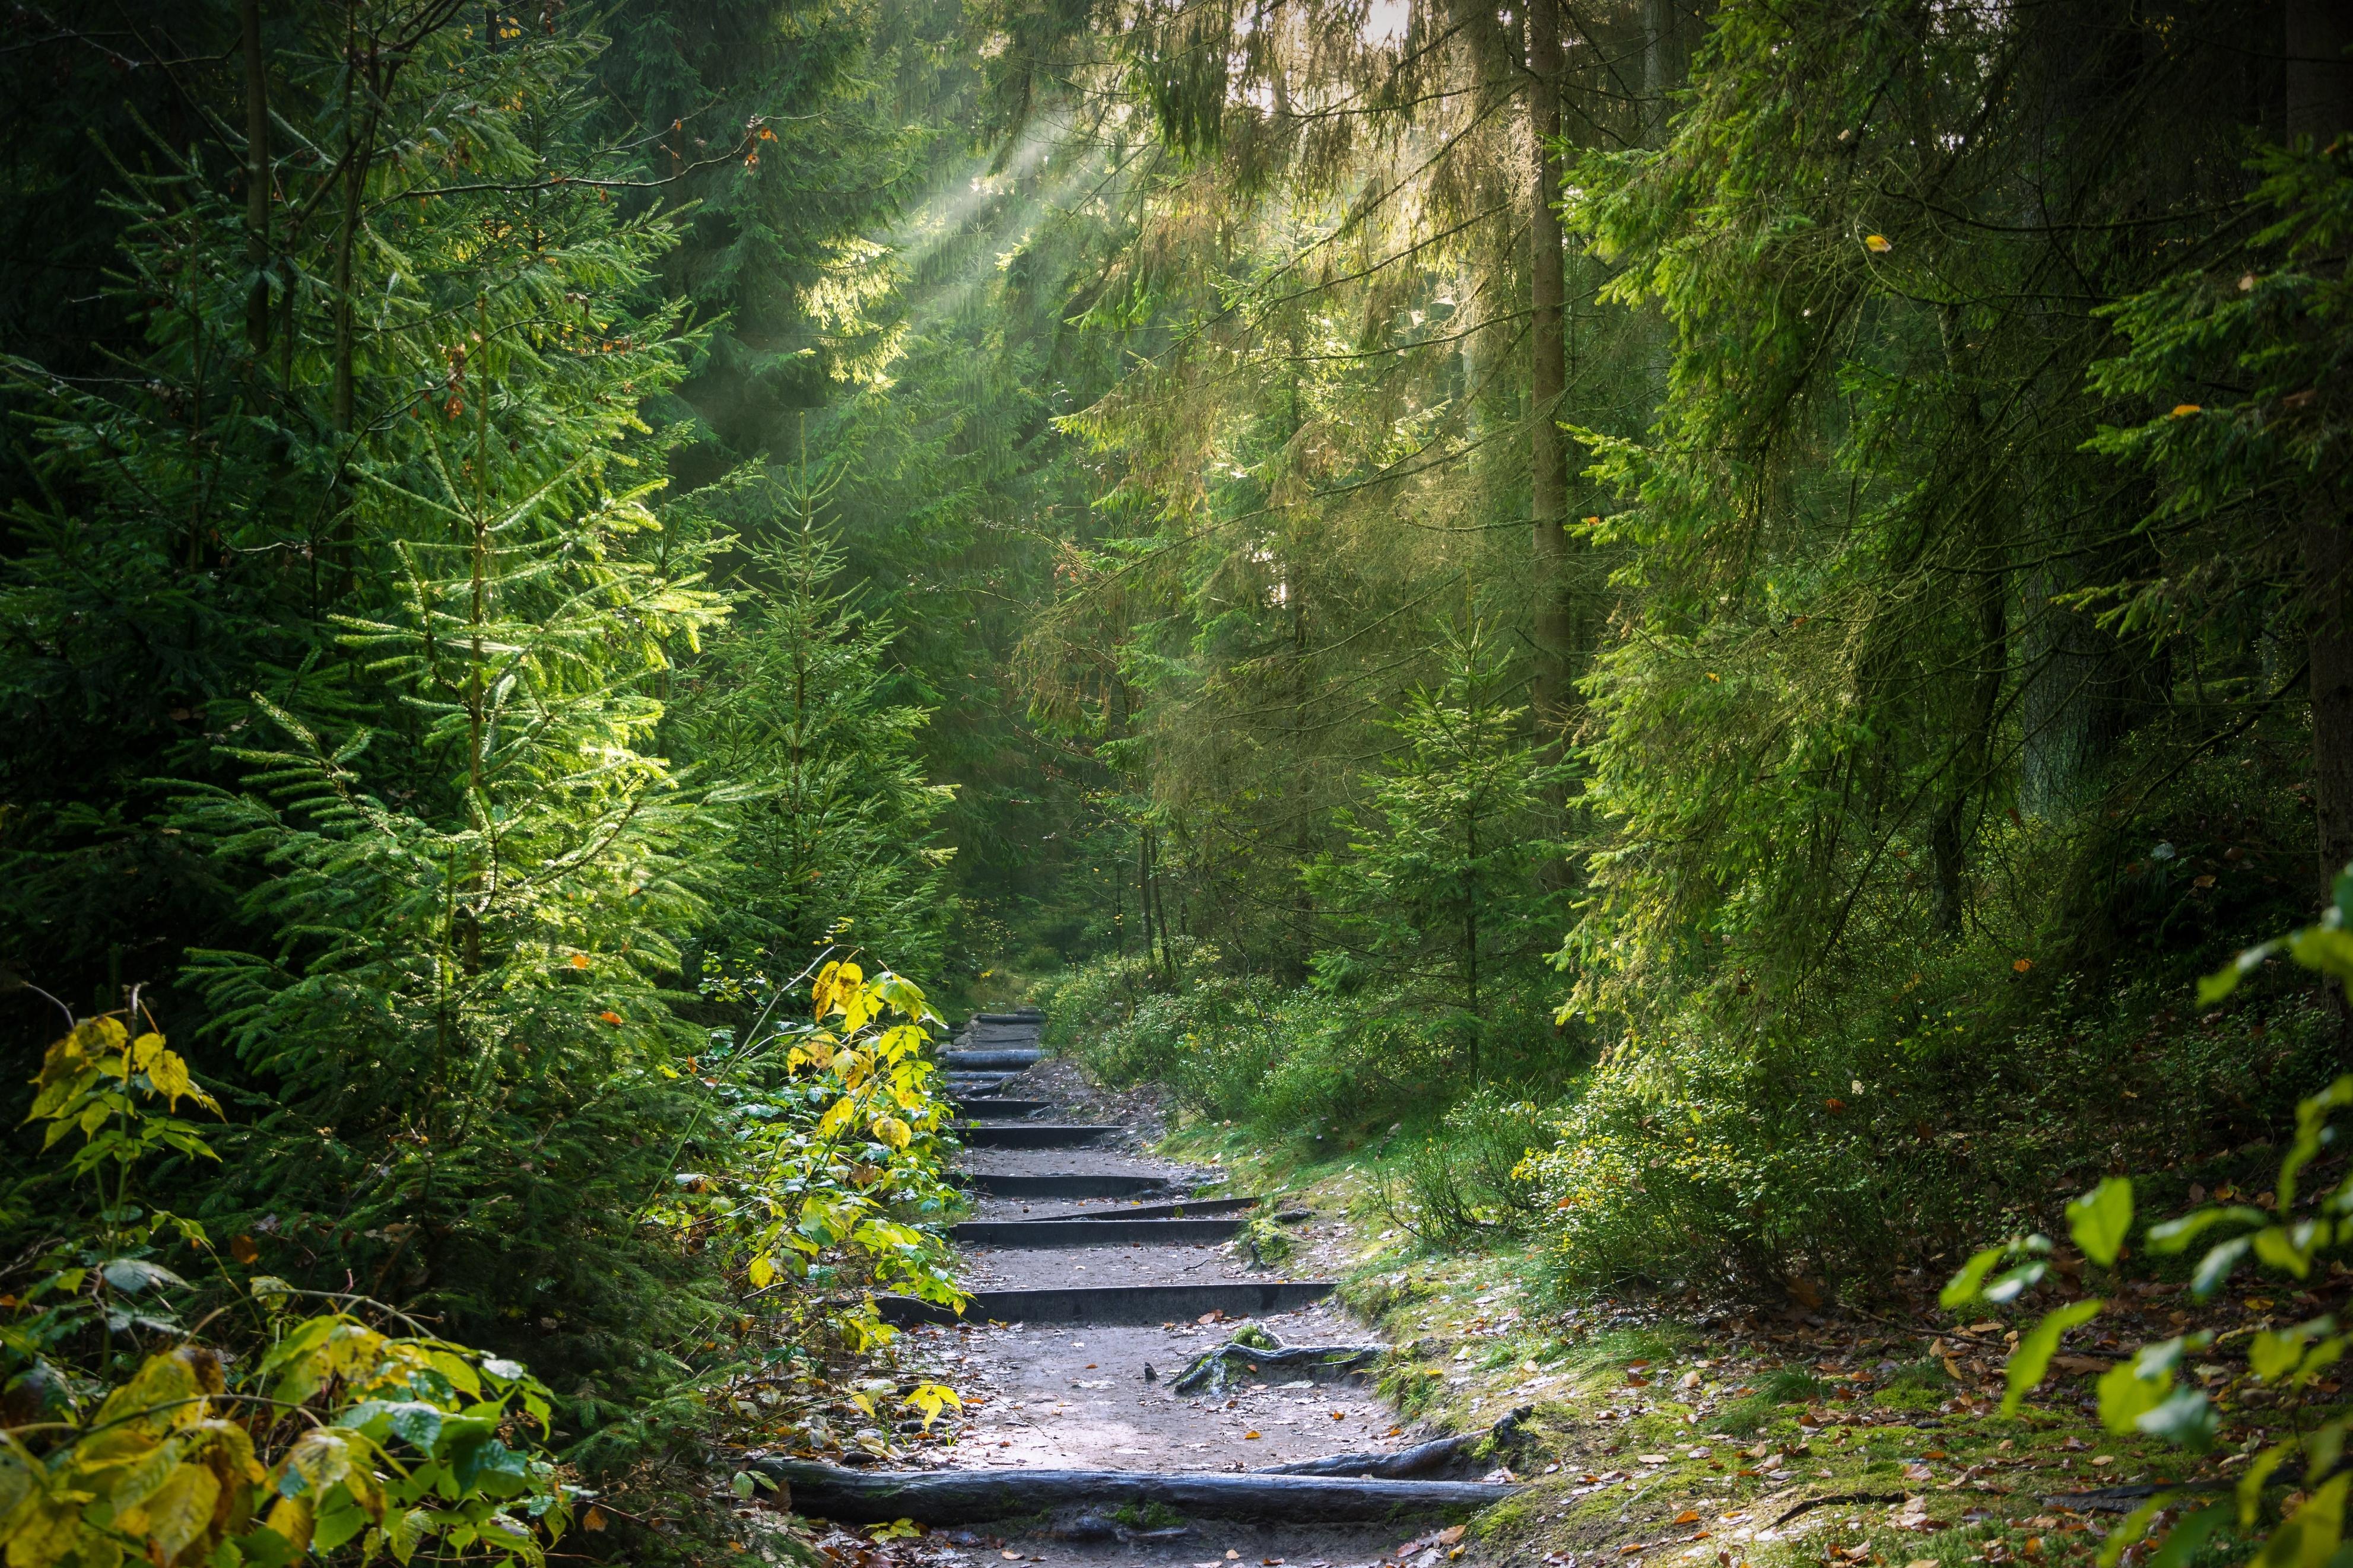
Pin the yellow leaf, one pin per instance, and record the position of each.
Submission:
(762, 1271)
(1876, 243)
(891, 1130)
(2184, 410)
(169, 1074)
(579, 961)
(179, 1513)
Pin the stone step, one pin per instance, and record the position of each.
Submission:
(1107, 1232)
(990, 1062)
(985, 1107)
(1066, 1185)
(1115, 1303)
(1030, 1134)
(1195, 1208)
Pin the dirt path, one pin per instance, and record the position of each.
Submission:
(1064, 1389)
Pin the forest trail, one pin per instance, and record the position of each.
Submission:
(1099, 1274)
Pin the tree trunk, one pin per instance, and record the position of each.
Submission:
(256, 179)
(1983, 562)
(1549, 379)
(967, 1497)
(2320, 108)
(1665, 61)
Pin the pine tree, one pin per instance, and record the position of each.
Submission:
(1438, 895)
(797, 707)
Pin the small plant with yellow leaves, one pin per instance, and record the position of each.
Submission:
(839, 1156)
(341, 1436)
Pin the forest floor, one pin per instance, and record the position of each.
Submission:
(1663, 1431)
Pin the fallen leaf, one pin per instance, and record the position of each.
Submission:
(1652, 1458)
(1248, 1435)
(2104, 1460)
(2184, 410)
(1451, 1534)
(1876, 243)
(1688, 1516)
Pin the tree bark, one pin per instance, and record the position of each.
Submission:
(956, 1496)
(1984, 559)
(2320, 109)
(1549, 379)
(257, 178)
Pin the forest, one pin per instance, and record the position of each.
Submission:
(1685, 627)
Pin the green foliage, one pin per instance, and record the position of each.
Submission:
(833, 821)
(2145, 1392)
(333, 1433)
(356, 634)
(1439, 885)
(1465, 1181)
(831, 1137)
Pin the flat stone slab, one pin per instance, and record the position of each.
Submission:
(1031, 1134)
(990, 1062)
(1107, 1230)
(1190, 1208)
(986, 1108)
(1069, 1184)
(1115, 1303)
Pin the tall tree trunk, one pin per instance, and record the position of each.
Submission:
(1666, 59)
(2320, 107)
(1548, 476)
(256, 179)
(1983, 562)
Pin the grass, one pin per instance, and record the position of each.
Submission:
(1664, 1435)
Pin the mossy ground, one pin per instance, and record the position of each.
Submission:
(1674, 1430)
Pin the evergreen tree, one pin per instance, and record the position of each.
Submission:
(1439, 895)
(833, 824)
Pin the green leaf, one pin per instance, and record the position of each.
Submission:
(2175, 1234)
(2186, 1417)
(2270, 1355)
(2127, 1395)
(2032, 1359)
(2216, 1265)
(2128, 1533)
(2286, 1250)
(2101, 1219)
(1964, 1286)
(2183, 1540)
(2214, 987)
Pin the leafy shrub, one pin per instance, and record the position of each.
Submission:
(2290, 1231)
(337, 1433)
(1466, 1181)
(828, 1138)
